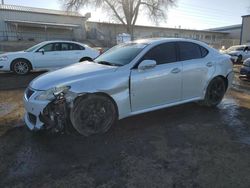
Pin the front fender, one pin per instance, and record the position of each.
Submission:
(116, 86)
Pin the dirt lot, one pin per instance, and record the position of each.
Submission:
(184, 146)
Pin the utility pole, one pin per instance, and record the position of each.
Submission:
(2, 2)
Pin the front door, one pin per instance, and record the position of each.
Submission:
(71, 53)
(159, 85)
(51, 58)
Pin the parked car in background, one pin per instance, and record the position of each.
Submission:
(245, 69)
(238, 53)
(46, 56)
(129, 79)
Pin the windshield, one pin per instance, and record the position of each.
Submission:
(121, 55)
(31, 49)
(236, 48)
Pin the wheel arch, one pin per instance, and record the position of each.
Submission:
(225, 80)
(209, 81)
(86, 58)
(220, 76)
(23, 59)
(100, 94)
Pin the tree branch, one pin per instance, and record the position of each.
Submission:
(115, 12)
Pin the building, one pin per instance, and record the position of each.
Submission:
(240, 32)
(36, 24)
(108, 32)
(234, 34)
(245, 31)
(19, 23)
(234, 31)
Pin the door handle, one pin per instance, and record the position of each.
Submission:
(176, 70)
(209, 64)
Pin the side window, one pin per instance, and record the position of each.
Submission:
(204, 51)
(65, 47)
(57, 47)
(189, 51)
(48, 47)
(78, 47)
(163, 53)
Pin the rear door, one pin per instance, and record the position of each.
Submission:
(72, 53)
(197, 69)
(159, 85)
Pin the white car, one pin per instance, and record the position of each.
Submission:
(47, 55)
(239, 53)
(129, 79)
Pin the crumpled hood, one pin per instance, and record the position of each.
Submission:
(68, 75)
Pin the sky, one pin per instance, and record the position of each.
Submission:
(188, 14)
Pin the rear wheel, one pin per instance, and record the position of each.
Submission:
(21, 67)
(93, 114)
(215, 92)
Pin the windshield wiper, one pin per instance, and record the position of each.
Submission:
(108, 63)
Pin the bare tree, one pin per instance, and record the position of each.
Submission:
(126, 11)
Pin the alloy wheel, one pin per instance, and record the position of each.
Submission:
(21, 67)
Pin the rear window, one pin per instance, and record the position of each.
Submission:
(189, 50)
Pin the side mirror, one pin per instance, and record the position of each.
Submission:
(41, 51)
(147, 64)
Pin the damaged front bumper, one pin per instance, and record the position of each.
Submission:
(47, 114)
(33, 110)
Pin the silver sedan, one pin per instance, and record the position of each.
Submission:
(129, 79)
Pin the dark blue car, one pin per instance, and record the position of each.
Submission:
(245, 69)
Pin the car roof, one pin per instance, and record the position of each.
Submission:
(67, 41)
(161, 40)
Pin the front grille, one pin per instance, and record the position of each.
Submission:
(29, 93)
(32, 118)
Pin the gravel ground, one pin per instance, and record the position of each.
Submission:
(183, 146)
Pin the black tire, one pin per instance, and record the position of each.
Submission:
(239, 60)
(215, 92)
(93, 114)
(85, 59)
(21, 67)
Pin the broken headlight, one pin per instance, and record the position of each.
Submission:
(52, 93)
